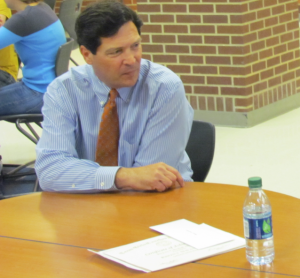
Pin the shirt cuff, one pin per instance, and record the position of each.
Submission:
(105, 178)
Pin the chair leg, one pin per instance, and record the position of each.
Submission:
(36, 185)
(18, 169)
(73, 61)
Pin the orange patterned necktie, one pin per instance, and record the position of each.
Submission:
(108, 139)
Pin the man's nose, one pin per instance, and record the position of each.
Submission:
(129, 58)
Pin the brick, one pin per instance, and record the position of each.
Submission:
(205, 69)
(201, 8)
(288, 76)
(215, 18)
(279, 93)
(265, 53)
(152, 48)
(149, 8)
(255, 5)
(163, 18)
(229, 104)
(176, 29)
(293, 45)
(231, 8)
(296, 34)
(248, 17)
(188, 18)
(232, 29)
(270, 96)
(218, 80)
(274, 82)
(275, 96)
(251, 58)
(202, 103)
(189, 39)
(260, 100)
(144, 18)
(261, 86)
(220, 104)
(286, 37)
(174, 8)
(286, 57)
(244, 101)
(177, 49)
(165, 58)
(194, 102)
(291, 6)
(190, 79)
(268, 3)
(256, 25)
(258, 46)
(237, 19)
(264, 13)
(190, 59)
(261, 65)
(158, 1)
(180, 68)
(266, 74)
(285, 17)
(206, 90)
(281, 69)
(250, 37)
(211, 104)
(185, 1)
(145, 38)
(163, 38)
(292, 25)
(237, 40)
(188, 89)
(203, 49)
(245, 81)
(216, 39)
(265, 33)
(236, 50)
(217, 60)
(236, 91)
(202, 29)
(265, 96)
(244, 110)
(147, 56)
(271, 21)
(273, 61)
(151, 29)
(279, 49)
(235, 70)
(272, 41)
(294, 64)
(278, 10)
(279, 29)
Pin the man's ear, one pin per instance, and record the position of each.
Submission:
(87, 54)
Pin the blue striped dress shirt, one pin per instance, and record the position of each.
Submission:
(155, 122)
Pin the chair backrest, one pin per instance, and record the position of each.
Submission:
(51, 3)
(200, 148)
(68, 12)
(62, 57)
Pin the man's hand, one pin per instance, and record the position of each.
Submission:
(2, 19)
(159, 176)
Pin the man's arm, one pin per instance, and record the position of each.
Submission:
(2, 19)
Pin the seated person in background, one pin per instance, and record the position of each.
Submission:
(153, 116)
(37, 34)
(9, 64)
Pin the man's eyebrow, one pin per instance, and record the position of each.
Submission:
(116, 48)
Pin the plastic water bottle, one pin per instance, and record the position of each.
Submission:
(258, 224)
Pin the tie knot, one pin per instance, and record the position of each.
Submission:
(113, 94)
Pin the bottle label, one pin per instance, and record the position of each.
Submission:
(258, 228)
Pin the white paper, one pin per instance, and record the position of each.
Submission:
(198, 236)
(163, 252)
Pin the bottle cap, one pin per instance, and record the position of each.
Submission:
(255, 182)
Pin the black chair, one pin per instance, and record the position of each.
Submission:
(51, 3)
(68, 12)
(61, 66)
(200, 149)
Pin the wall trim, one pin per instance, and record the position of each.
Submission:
(237, 119)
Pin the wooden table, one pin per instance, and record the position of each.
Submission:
(47, 234)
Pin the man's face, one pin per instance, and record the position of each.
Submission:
(118, 58)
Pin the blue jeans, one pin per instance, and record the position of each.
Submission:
(17, 98)
(6, 78)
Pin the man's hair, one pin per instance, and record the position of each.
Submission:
(30, 1)
(103, 20)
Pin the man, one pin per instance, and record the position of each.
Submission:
(37, 33)
(153, 113)
(8, 57)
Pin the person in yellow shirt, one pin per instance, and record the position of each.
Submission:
(9, 64)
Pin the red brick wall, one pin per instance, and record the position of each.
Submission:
(232, 55)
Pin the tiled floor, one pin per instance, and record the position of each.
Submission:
(270, 150)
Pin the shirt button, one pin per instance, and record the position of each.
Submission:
(73, 185)
(102, 184)
(102, 102)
